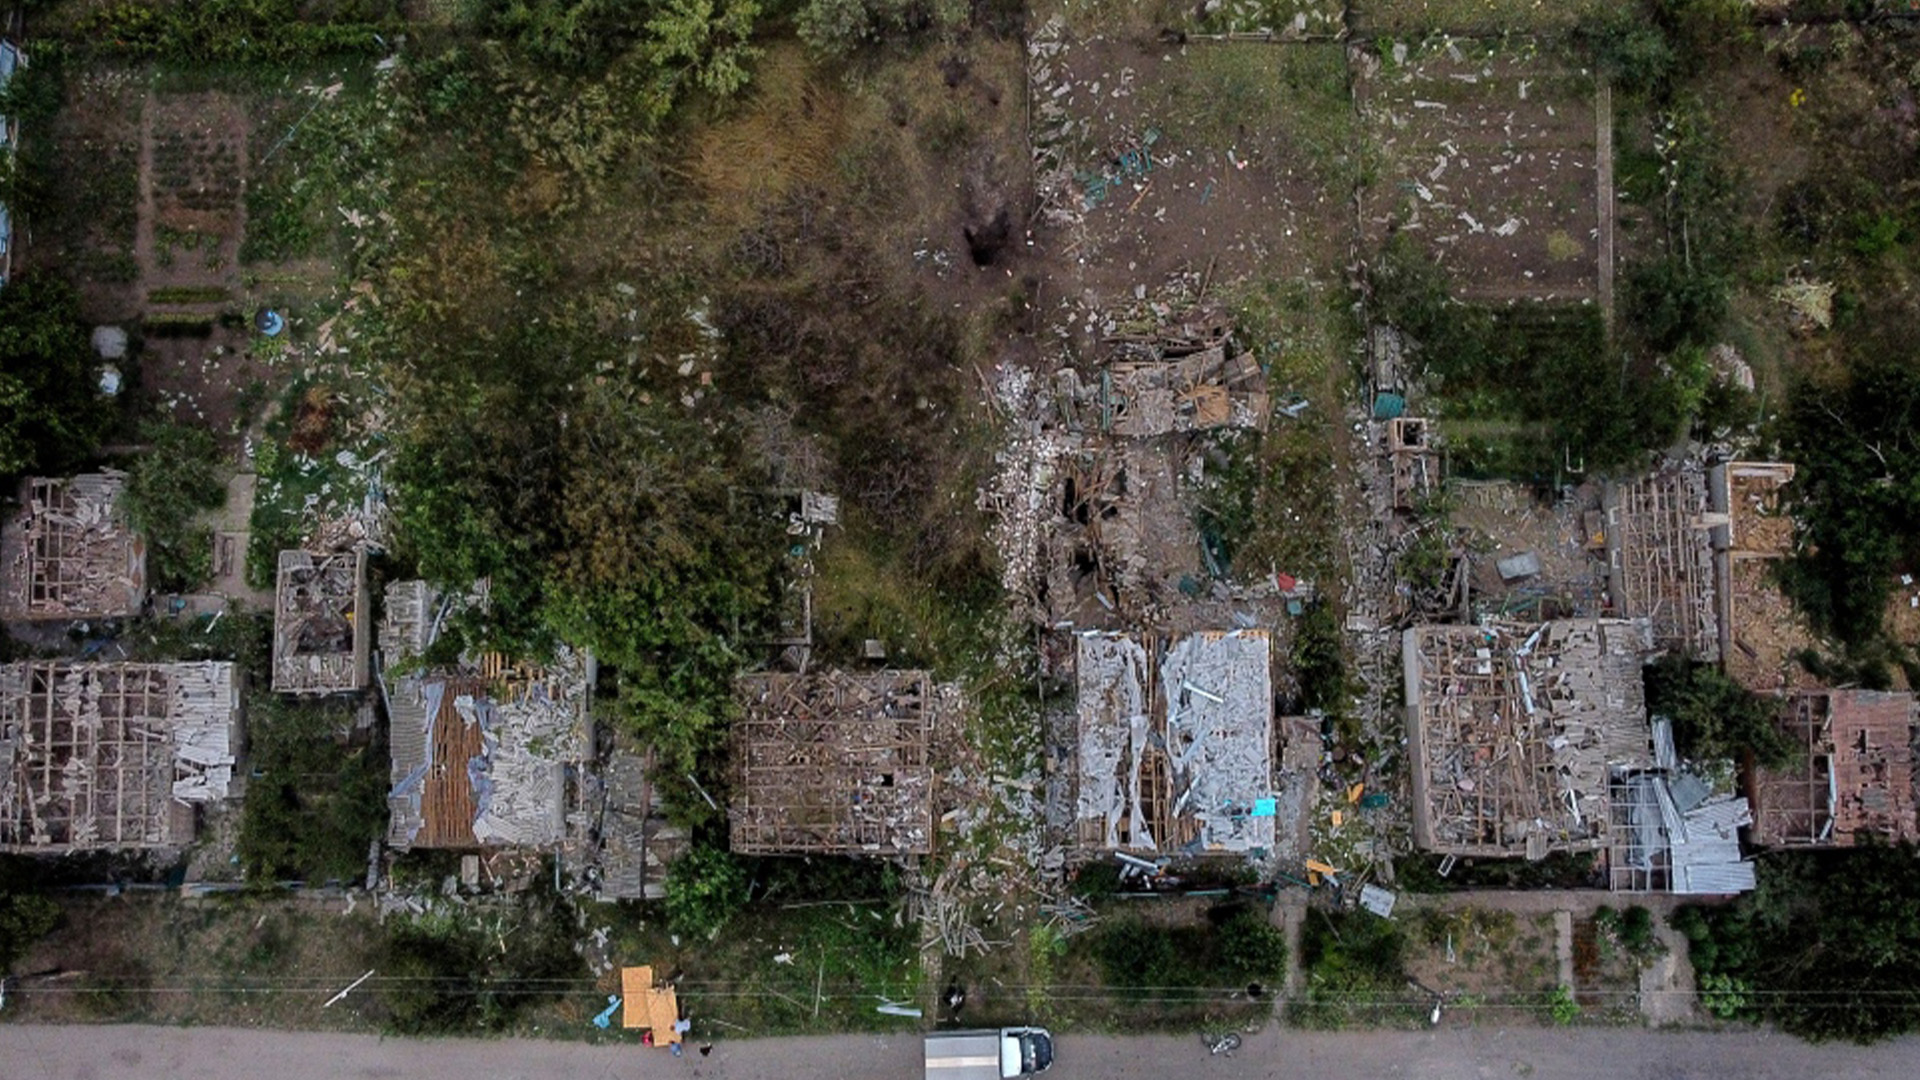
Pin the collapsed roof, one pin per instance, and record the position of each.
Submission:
(322, 622)
(482, 757)
(1512, 730)
(1852, 776)
(69, 553)
(833, 763)
(1659, 535)
(1188, 374)
(1760, 629)
(1673, 833)
(112, 756)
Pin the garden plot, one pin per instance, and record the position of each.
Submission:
(1216, 159)
(1486, 158)
(193, 161)
(1373, 17)
(89, 231)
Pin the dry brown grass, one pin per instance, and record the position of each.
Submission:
(781, 141)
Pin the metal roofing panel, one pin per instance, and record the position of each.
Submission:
(1664, 754)
(1719, 879)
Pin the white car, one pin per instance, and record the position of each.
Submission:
(988, 1055)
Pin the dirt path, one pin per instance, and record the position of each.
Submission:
(143, 1053)
(1563, 946)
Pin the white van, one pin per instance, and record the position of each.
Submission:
(988, 1055)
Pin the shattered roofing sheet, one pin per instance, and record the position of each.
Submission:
(480, 762)
(106, 756)
(1176, 748)
(1220, 735)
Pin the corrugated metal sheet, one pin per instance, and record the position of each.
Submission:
(1708, 861)
(1717, 880)
(1723, 815)
(1669, 813)
(1664, 754)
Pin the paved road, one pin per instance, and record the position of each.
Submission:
(30, 1052)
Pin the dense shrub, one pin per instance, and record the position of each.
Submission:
(313, 805)
(1238, 945)
(24, 919)
(1543, 379)
(1354, 964)
(240, 30)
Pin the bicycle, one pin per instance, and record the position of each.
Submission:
(1223, 1044)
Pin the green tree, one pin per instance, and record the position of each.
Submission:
(51, 411)
(565, 33)
(841, 27)
(168, 486)
(709, 41)
(1625, 46)
(1856, 441)
(1827, 947)
(1714, 716)
(706, 887)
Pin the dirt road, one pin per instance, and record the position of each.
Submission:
(147, 1053)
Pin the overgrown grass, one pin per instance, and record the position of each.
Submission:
(302, 478)
(1270, 506)
(237, 634)
(1293, 100)
(465, 970)
(817, 965)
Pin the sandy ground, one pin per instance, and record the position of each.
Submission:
(113, 1053)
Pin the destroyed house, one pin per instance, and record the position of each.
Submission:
(1513, 729)
(1852, 776)
(1660, 564)
(1672, 832)
(102, 757)
(833, 763)
(637, 841)
(1175, 743)
(1414, 460)
(1099, 549)
(1189, 375)
(69, 553)
(1759, 629)
(321, 622)
(488, 756)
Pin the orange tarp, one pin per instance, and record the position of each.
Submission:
(644, 1005)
